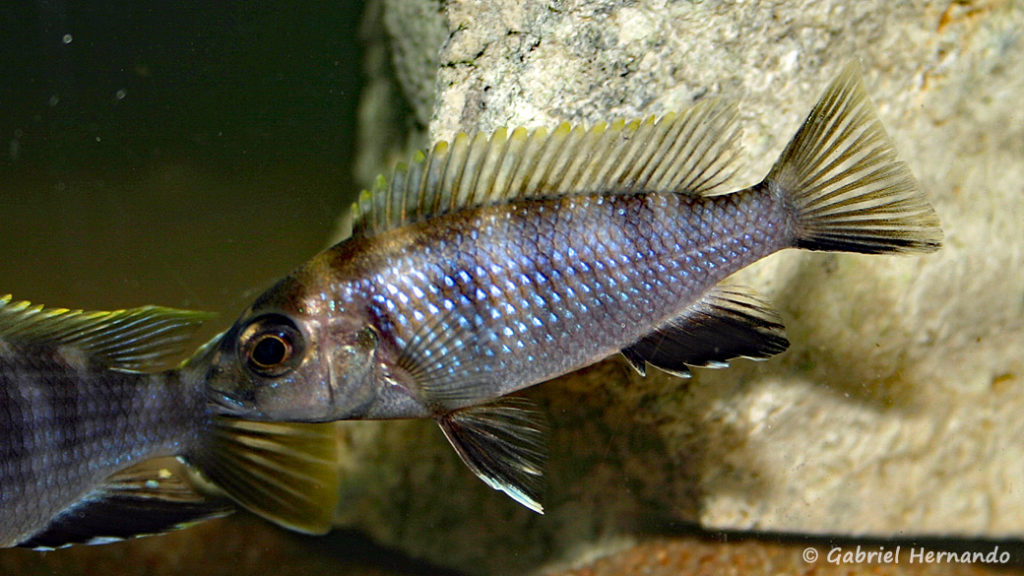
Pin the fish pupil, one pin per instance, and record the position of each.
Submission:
(270, 350)
(271, 345)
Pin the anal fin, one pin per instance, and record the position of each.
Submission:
(503, 444)
(636, 360)
(284, 472)
(728, 322)
(150, 498)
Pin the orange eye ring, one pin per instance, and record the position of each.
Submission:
(269, 350)
(271, 346)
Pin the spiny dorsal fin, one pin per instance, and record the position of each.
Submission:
(147, 499)
(689, 153)
(135, 340)
(503, 444)
(284, 472)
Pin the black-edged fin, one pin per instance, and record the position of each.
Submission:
(285, 472)
(690, 153)
(842, 175)
(504, 444)
(147, 499)
(143, 339)
(729, 322)
(638, 362)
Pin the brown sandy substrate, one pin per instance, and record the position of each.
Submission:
(242, 545)
(235, 546)
(695, 556)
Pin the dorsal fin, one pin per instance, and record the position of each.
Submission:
(135, 340)
(689, 153)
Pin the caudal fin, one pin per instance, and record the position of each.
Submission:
(846, 185)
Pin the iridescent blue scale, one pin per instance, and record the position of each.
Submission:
(537, 305)
(491, 264)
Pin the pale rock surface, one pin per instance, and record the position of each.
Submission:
(896, 411)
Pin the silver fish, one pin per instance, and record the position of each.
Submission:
(491, 264)
(83, 415)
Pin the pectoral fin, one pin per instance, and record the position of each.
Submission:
(285, 472)
(503, 444)
(147, 499)
(447, 363)
(729, 322)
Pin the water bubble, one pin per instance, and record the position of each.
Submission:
(66, 39)
(120, 94)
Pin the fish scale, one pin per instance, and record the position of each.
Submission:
(492, 263)
(731, 236)
(85, 408)
(62, 442)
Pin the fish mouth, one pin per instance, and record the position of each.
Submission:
(332, 386)
(226, 404)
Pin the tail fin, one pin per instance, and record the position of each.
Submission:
(846, 185)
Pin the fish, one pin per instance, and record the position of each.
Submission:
(493, 263)
(102, 440)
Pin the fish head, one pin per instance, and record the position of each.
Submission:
(287, 360)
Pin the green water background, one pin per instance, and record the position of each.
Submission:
(181, 153)
(185, 154)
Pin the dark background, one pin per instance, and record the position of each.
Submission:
(180, 153)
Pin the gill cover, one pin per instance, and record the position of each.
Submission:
(279, 366)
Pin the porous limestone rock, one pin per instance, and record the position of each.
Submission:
(896, 410)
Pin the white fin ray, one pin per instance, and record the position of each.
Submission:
(150, 498)
(503, 444)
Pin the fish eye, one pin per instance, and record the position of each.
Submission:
(269, 350)
(271, 345)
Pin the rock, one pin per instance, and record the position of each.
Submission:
(895, 411)
(401, 42)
